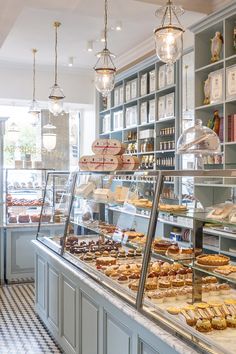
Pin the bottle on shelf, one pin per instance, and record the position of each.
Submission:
(216, 126)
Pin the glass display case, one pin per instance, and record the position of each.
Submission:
(24, 190)
(111, 231)
(55, 208)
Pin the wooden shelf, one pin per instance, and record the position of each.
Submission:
(211, 67)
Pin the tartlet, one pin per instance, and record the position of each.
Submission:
(218, 323)
(203, 325)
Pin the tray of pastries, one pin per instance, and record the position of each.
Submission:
(208, 316)
(172, 207)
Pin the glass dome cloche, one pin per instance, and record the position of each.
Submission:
(199, 140)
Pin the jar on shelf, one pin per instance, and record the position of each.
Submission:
(147, 145)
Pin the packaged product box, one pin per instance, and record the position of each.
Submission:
(143, 113)
(143, 84)
(152, 80)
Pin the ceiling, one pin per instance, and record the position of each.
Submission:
(25, 24)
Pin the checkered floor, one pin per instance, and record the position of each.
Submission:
(21, 331)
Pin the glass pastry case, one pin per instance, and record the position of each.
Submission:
(55, 208)
(24, 190)
(113, 231)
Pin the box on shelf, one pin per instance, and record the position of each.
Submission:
(134, 89)
(161, 77)
(232, 127)
(161, 107)
(127, 91)
(18, 163)
(231, 82)
(216, 86)
(143, 84)
(152, 80)
(106, 123)
(118, 120)
(170, 105)
(131, 116)
(152, 110)
(170, 74)
(116, 96)
(143, 113)
(146, 134)
(121, 95)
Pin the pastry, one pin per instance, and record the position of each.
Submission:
(164, 284)
(115, 274)
(23, 218)
(177, 283)
(150, 285)
(130, 253)
(202, 305)
(213, 260)
(231, 321)
(88, 257)
(105, 261)
(170, 295)
(203, 325)
(121, 254)
(173, 310)
(189, 317)
(12, 219)
(224, 288)
(132, 234)
(138, 252)
(156, 297)
(134, 276)
(210, 280)
(221, 212)
(123, 279)
(161, 246)
(134, 285)
(218, 323)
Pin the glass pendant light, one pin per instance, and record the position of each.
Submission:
(105, 69)
(50, 137)
(34, 109)
(169, 36)
(56, 95)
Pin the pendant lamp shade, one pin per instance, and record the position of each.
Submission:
(169, 36)
(105, 70)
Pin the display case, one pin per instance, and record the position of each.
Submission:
(55, 208)
(24, 195)
(112, 234)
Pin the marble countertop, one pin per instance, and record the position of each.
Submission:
(172, 341)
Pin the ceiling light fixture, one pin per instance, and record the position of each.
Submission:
(105, 69)
(90, 46)
(56, 95)
(71, 61)
(49, 138)
(118, 26)
(34, 109)
(169, 36)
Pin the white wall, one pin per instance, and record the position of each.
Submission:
(16, 83)
(88, 129)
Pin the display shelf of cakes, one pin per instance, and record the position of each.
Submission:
(24, 196)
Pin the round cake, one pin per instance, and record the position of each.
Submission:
(213, 260)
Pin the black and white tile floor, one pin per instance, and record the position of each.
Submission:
(21, 331)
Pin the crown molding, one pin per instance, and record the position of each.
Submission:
(138, 51)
